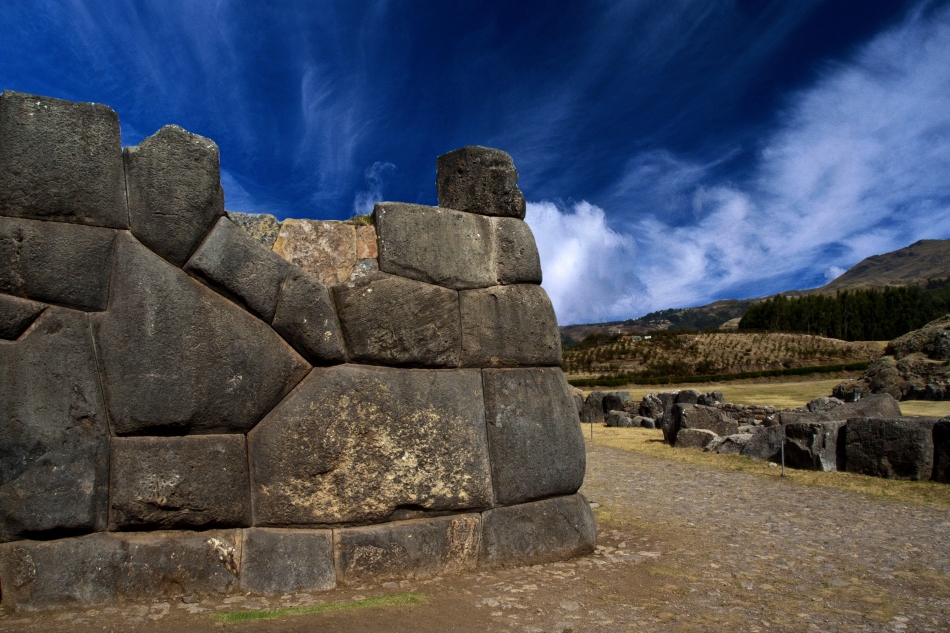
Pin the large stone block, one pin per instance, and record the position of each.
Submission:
(516, 254)
(54, 438)
(231, 260)
(366, 246)
(694, 438)
(57, 263)
(816, 445)
(538, 532)
(263, 227)
(324, 249)
(306, 318)
(593, 411)
(435, 245)
(179, 483)
(174, 189)
(420, 548)
(278, 560)
(479, 180)
(766, 443)
(509, 326)
(354, 444)
(896, 448)
(61, 161)
(941, 440)
(537, 449)
(613, 400)
(698, 416)
(16, 315)
(880, 405)
(389, 320)
(200, 363)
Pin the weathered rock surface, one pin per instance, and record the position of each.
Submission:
(306, 318)
(324, 249)
(688, 396)
(284, 561)
(389, 320)
(941, 440)
(364, 268)
(619, 419)
(614, 400)
(509, 326)
(479, 180)
(263, 227)
(538, 532)
(174, 191)
(816, 445)
(880, 405)
(694, 438)
(537, 449)
(201, 364)
(16, 315)
(435, 245)
(516, 253)
(709, 399)
(179, 482)
(932, 340)
(593, 412)
(56, 263)
(766, 443)
(697, 416)
(353, 444)
(651, 407)
(820, 405)
(54, 438)
(729, 444)
(61, 161)
(420, 548)
(896, 448)
(578, 395)
(644, 422)
(366, 243)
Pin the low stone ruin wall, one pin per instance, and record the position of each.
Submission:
(195, 402)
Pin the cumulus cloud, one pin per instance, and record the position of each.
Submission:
(833, 273)
(366, 198)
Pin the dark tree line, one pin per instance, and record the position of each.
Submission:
(853, 315)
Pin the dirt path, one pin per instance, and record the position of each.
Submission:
(683, 548)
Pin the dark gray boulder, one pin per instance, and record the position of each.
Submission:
(766, 443)
(688, 396)
(479, 180)
(537, 449)
(435, 245)
(16, 315)
(694, 438)
(651, 407)
(578, 395)
(306, 318)
(164, 483)
(56, 263)
(368, 441)
(389, 320)
(61, 161)
(730, 444)
(816, 445)
(895, 448)
(820, 405)
(263, 227)
(644, 422)
(276, 560)
(593, 412)
(174, 190)
(516, 254)
(614, 400)
(697, 416)
(238, 266)
(620, 419)
(54, 435)
(200, 363)
(941, 440)
(420, 548)
(711, 398)
(539, 532)
(509, 326)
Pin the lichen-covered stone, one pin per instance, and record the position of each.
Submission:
(174, 189)
(263, 227)
(420, 548)
(16, 315)
(276, 560)
(435, 245)
(353, 444)
(177, 358)
(516, 254)
(324, 249)
(54, 438)
(366, 247)
(231, 260)
(390, 320)
(537, 449)
(896, 448)
(509, 326)
(306, 318)
(538, 532)
(61, 161)
(169, 483)
(57, 263)
(479, 180)
(816, 445)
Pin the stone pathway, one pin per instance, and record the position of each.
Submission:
(682, 548)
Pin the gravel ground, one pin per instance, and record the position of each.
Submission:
(682, 548)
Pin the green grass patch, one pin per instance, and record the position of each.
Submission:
(625, 379)
(395, 600)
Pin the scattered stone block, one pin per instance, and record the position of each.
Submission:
(54, 471)
(766, 443)
(352, 444)
(651, 407)
(278, 560)
(729, 444)
(389, 320)
(537, 449)
(694, 438)
(16, 315)
(166, 483)
(479, 180)
(895, 448)
(816, 445)
(306, 318)
(56, 263)
(941, 440)
(174, 190)
(593, 412)
(644, 422)
(620, 419)
(420, 548)
(688, 396)
(323, 249)
(538, 532)
(820, 405)
(201, 364)
(509, 326)
(263, 227)
(516, 253)
(61, 161)
(614, 400)
(697, 416)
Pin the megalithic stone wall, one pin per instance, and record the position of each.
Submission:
(203, 402)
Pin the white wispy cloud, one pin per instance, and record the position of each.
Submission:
(375, 176)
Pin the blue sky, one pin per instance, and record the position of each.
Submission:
(672, 152)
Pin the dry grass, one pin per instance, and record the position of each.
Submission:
(650, 442)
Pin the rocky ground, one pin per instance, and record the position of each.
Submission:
(682, 548)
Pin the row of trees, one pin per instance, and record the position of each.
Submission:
(853, 315)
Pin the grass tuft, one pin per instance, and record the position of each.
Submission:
(395, 600)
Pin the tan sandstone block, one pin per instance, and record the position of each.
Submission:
(366, 242)
(325, 249)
